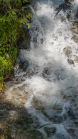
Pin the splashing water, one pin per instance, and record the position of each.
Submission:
(50, 82)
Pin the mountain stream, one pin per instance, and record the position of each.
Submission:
(47, 77)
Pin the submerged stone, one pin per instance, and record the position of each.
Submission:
(23, 64)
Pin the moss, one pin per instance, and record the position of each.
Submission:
(12, 16)
(1, 83)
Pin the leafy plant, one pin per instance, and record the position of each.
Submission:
(12, 16)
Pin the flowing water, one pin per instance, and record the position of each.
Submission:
(49, 77)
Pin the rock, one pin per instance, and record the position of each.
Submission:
(64, 6)
(37, 107)
(76, 40)
(8, 77)
(67, 50)
(12, 112)
(12, 115)
(71, 130)
(74, 28)
(22, 100)
(46, 71)
(76, 15)
(15, 92)
(23, 64)
(57, 119)
(41, 41)
(35, 39)
(76, 59)
(71, 114)
(61, 136)
(16, 67)
(50, 131)
(70, 61)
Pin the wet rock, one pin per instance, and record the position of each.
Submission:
(74, 29)
(76, 59)
(23, 64)
(38, 107)
(22, 100)
(73, 132)
(75, 26)
(67, 50)
(46, 71)
(41, 41)
(76, 15)
(16, 67)
(30, 72)
(76, 39)
(70, 61)
(57, 119)
(34, 124)
(50, 131)
(14, 92)
(8, 77)
(35, 39)
(66, 1)
(53, 130)
(64, 6)
(12, 112)
(76, 123)
(61, 136)
(70, 130)
(71, 114)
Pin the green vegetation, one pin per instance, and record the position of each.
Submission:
(12, 16)
(3, 135)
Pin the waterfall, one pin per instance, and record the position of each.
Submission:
(50, 81)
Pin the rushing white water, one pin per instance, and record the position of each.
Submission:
(50, 82)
